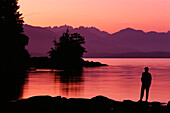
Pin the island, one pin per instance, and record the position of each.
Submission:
(66, 54)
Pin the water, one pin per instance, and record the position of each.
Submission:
(119, 81)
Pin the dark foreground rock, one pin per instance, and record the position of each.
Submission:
(99, 104)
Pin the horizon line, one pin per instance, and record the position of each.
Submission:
(96, 28)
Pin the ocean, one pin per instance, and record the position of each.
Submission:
(121, 80)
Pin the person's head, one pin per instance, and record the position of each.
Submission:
(146, 69)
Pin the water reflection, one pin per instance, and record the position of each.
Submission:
(68, 83)
(11, 87)
(71, 82)
(119, 81)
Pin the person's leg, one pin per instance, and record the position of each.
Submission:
(147, 93)
(142, 93)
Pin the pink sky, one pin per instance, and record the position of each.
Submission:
(107, 15)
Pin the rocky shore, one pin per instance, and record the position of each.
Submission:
(98, 104)
(46, 63)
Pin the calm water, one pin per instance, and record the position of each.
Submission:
(119, 81)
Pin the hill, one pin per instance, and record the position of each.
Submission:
(100, 43)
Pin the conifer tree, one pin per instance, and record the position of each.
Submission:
(68, 52)
(13, 54)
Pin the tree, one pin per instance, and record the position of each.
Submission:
(68, 52)
(13, 54)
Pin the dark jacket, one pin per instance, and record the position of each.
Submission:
(146, 79)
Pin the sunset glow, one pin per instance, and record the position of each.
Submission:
(120, 80)
(107, 15)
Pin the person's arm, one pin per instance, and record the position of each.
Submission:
(142, 78)
(150, 78)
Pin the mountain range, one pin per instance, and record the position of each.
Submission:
(124, 43)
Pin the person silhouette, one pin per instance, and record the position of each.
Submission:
(146, 82)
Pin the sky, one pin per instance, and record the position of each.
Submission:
(106, 15)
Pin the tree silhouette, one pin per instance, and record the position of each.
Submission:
(13, 54)
(68, 52)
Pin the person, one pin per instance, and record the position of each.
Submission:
(146, 82)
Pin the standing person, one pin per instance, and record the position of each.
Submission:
(146, 82)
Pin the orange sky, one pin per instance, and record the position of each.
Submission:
(106, 15)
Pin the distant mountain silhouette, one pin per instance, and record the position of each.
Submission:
(40, 40)
(156, 54)
(144, 42)
(100, 43)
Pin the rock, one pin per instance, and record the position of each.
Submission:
(98, 104)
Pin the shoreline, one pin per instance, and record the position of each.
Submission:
(98, 104)
(47, 63)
